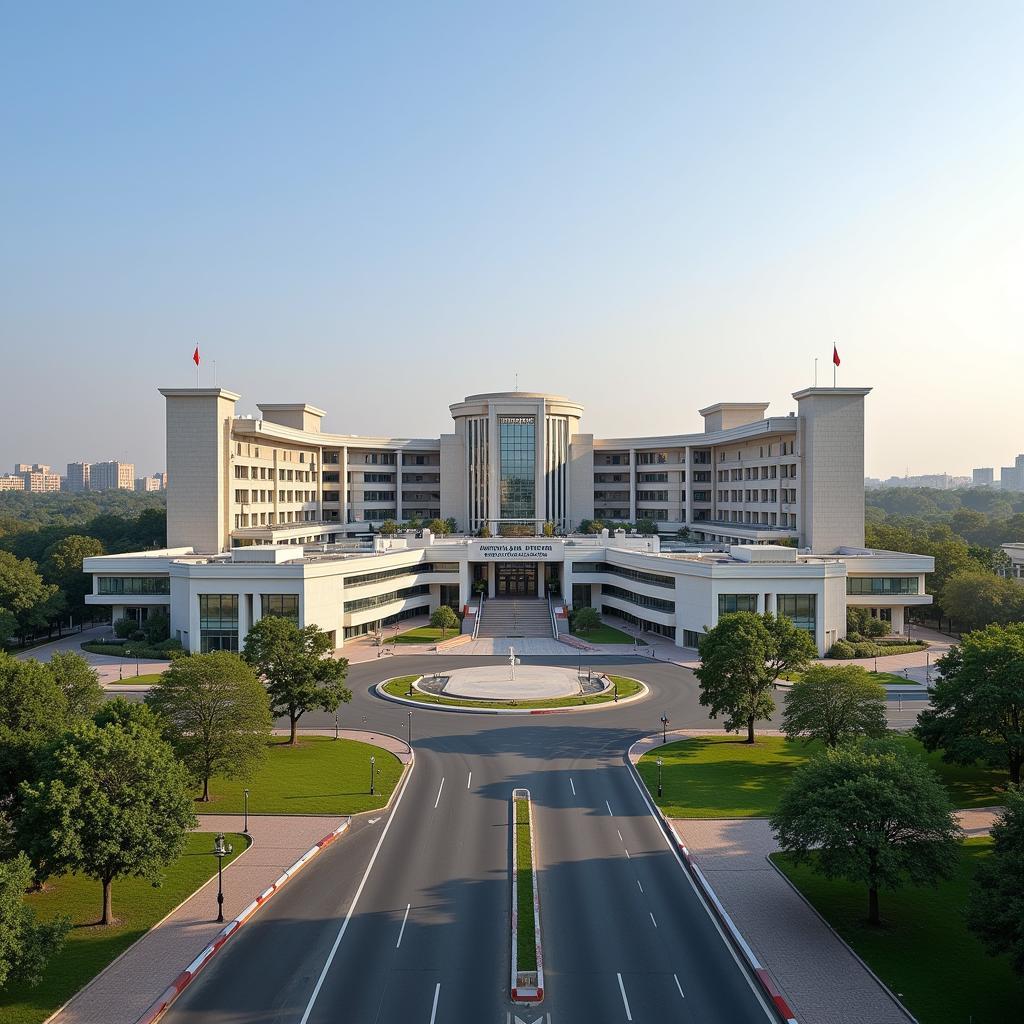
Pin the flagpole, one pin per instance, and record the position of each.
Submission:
(815, 371)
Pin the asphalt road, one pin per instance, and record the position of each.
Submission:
(407, 919)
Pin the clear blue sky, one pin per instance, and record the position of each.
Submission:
(382, 208)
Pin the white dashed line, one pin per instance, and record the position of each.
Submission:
(469, 781)
(625, 1001)
(439, 788)
(402, 932)
(678, 986)
(609, 806)
(655, 923)
(639, 886)
(619, 834)
(573, 784)
(433, 1012)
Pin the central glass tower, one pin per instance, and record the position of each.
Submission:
(517, 480)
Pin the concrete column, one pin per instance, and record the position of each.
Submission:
(343, 477)
(490, 579)
(465, 588)
(688, 487)
(398, 487)
(772, 605)
(632, 485)
(244, 624)
(540, 578)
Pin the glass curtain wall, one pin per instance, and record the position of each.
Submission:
(517, 490)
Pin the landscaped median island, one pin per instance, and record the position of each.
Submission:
(90, 947)
(923, 950)
(404, 688)
(527, 961)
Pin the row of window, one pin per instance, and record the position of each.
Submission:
(882, 585)
(801, 609)
(657, 603)
(362, 603)
(134, 585)
(402, 570)
(623, 571)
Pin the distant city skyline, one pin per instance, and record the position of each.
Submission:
(432, 200)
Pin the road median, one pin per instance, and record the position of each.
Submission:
(527, 955)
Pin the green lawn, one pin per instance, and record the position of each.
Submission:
(923, 951)
(605, 634)
(399, 687)
(885, 678)
(526, 936)
(146, 679)
(422, 635)
(90, 947)
(723, 777)
(319, 775)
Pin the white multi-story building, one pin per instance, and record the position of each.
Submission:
(270, 515)
(112, 476)
(37, 477)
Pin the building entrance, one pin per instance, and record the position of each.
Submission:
(515, 579)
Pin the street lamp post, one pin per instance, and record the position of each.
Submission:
(373, 761)
(245, 812)
(410, 730)
(220, 851)
(664, 729)
(660, 763)
(615, 683)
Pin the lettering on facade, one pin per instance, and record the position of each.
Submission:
(513, 550)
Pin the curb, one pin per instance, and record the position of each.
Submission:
(885, 988)
(714, 904)
(525, 993)
(187, 976)
(423, 705)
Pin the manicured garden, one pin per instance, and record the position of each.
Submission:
(319, 775)
(923, 950)
(422, 635)
(400, 686)
(138, 905)
(885, 678)
(724, 777)
(146, 679)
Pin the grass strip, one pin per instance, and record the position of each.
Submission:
(526, 935)
(399, 687)
(725, 777)
(923, 950)
(90, 947)
(605, 634)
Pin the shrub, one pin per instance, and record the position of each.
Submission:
(841, 649)
(157, 627)
(585, 619)
(124, 628)
(854, 637)
(876, 628)
(865, 650)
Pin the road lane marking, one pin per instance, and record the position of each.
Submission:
(678, 986)
(433, 1012)
(639, 886)
(402, 932)
(609, 806)
(625, 1001)
(352, 906)
(469, 781)
(619, 834)
(627, 854)
(439, 788)
(573, 784)
(655, 923)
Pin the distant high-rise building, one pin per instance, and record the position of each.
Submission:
(148, 483)
(1011, 478)
(162, 477)
(12, 482)
(37, 477)
(78, 476)
(111, 476)
(983, 477)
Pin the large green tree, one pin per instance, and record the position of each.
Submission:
(873, 813)
(974, 599)
(62, 566)
(740, 659)
(215, 713)
(27, 601)
(26, 945)
(444, 619)
(995, 912)
(977, 708)
(298, 667)
(109, 802)
(834, 705)
(79, 681)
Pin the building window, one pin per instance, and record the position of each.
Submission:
(881, 585)
(283, 606)
(518, 467)
(362, 603)
(691, 638)
(801, 610)
(656, 603)
(729, 603)
(134, 585)
(218, 622)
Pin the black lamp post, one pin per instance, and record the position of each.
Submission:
(410, 730)
(336, 724)
(615, 683)
(660, 762)
(373, 761)
(664, 729)
(220, 851)
(245, 813)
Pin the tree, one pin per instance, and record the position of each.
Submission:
(859, 621)
(24, 597)
(977, 710)
(585, 619)
(444, 619)
(79, 681)
(388, 528)
(740, 659)
(110, 802)
(648, 527)
(995, 912)
(25, 943)
(33, 713)
(215, 714)
(834, 705)
(975, 599)
(124, 628)
(873, 813)
(549, 529)
(62, 566)
(438, 527)
(451, 524)
(157, 627)
(297, 665)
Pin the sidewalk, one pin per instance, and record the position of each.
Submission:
(121, 993)
(111, 668)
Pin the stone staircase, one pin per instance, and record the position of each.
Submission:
(516, 617)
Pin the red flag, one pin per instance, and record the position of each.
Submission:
(835, 355)
(195, 356)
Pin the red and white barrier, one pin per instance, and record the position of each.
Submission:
(183, 980)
